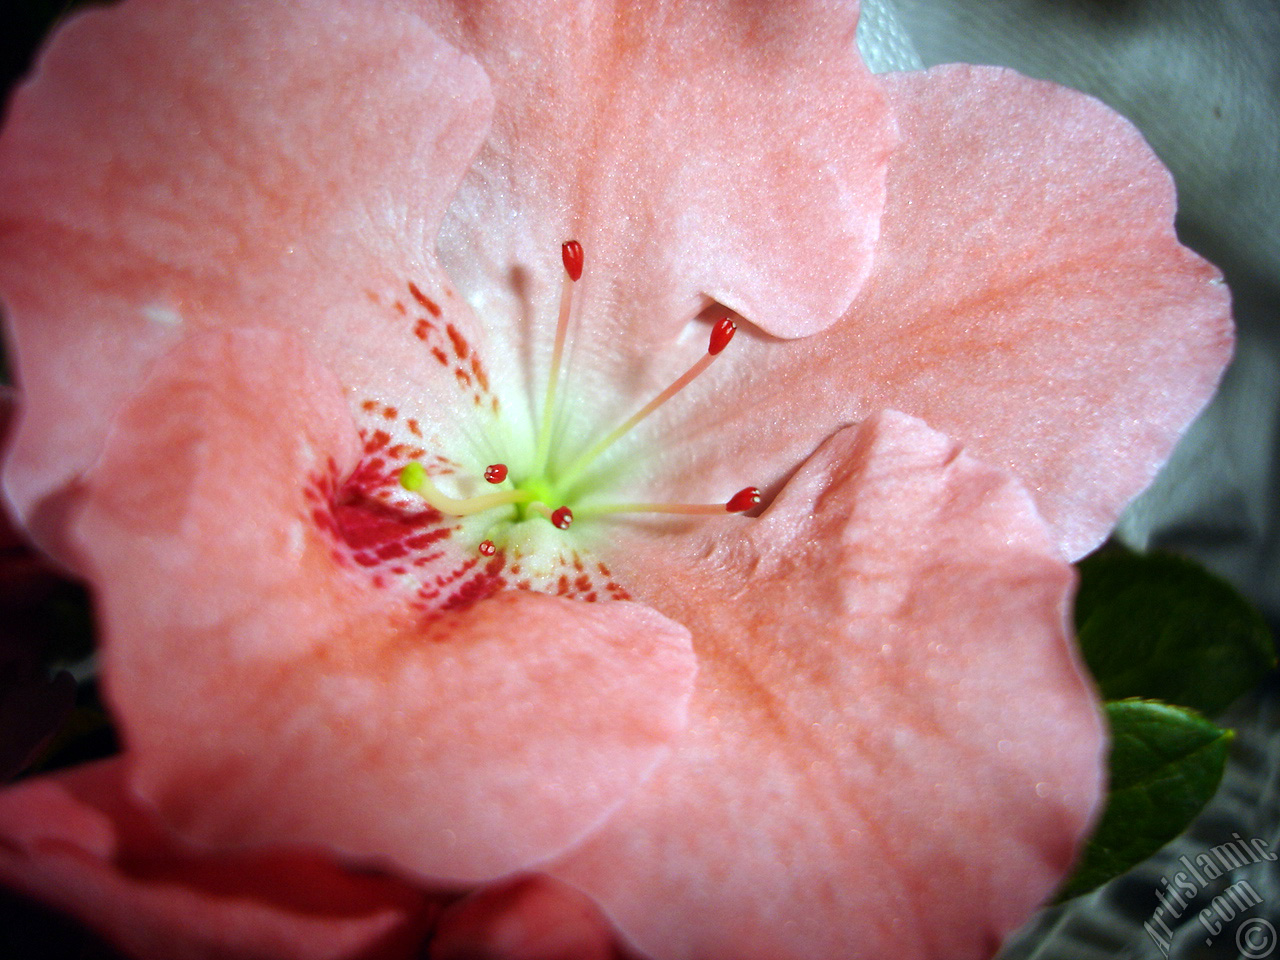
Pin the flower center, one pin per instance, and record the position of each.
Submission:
(545, 491)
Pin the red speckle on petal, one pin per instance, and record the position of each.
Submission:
(571, 254)
(392, 551)
(431, 306)
(422, 540)
(460, 346)
(472, 591)
(371, 527)
(477, 368)
(323, 520)
(721, 334)
(416, 552)
(376, 442)
(443, 580)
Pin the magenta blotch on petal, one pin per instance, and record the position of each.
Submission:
(458, 743)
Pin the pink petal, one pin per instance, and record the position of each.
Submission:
(1029, 297)
(527, 918)
(892, 749)
(80, 841)
(175, 165)
(273, 692)
(695, 149)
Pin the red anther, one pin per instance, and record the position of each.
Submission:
(495, 472)
(721, 334)
(571, 254)
(487, 548)
(562, 518)
(743, 500)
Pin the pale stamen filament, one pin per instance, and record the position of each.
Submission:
(721, 334)
(414, 478)
(740, 502)
(571, 254)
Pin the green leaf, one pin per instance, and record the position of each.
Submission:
(1166, 763)
(1160, 627)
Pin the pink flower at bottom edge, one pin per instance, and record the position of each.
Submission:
(80, 841)
(851, 726)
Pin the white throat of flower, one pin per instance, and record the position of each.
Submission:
(547, 491)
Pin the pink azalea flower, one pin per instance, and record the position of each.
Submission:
(258, 258)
